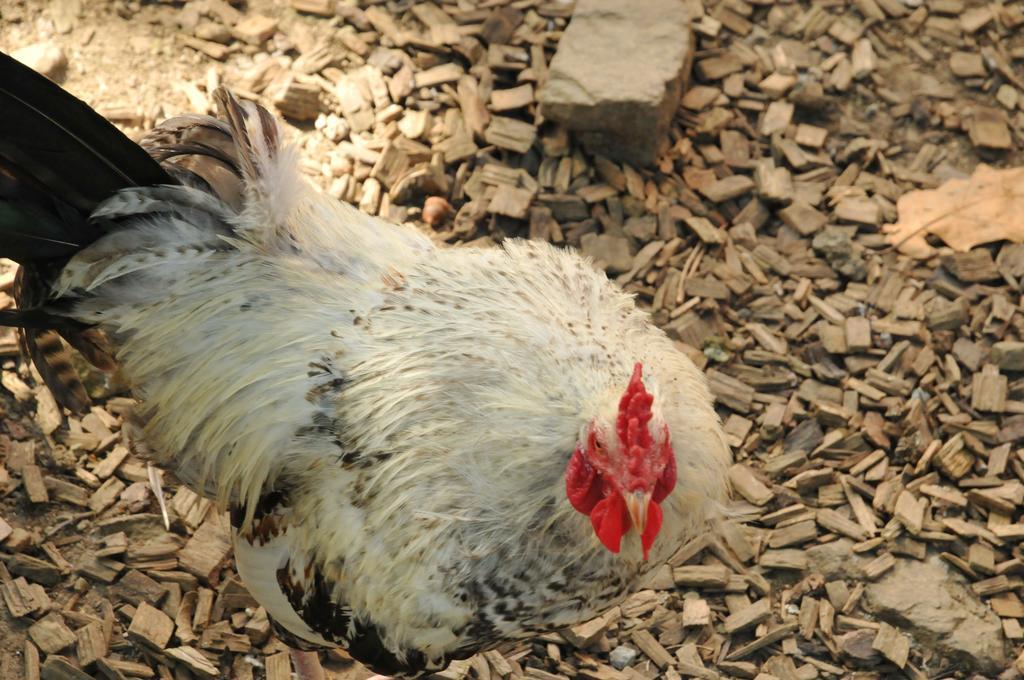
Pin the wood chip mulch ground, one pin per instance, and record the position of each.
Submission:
(875, 402)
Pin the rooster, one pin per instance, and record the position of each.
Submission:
(426, 451)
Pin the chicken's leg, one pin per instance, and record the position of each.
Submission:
(307, 665)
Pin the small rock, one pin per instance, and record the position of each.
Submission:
(333, 128)
(836, 244)
(717, 353)
(618, 75)
(46, 58)
(436, 210)
(613, 251)
(622, 656)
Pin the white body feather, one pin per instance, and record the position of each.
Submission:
(456, 381)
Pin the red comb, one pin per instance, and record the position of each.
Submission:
(634, 414)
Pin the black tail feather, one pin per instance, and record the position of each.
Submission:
(58, 160)
(35, 224)
(69, 148)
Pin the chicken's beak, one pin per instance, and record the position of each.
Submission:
(637, 503)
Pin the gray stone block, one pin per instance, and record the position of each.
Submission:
(618, 74)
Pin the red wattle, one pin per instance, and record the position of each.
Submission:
(611, 521)
(654, 518)
(582, 484)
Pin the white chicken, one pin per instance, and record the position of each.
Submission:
(426, 451)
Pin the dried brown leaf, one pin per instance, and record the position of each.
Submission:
(964, 213)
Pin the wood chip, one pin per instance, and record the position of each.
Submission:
(278, 666)
(60, 668)
(197, 663)
(511, 134)
(748, 485)
(254, 29)
(701, 576)
(438, 75)
(151, 627)
(207, 550)
(770, 638)
(35, 486)
(748, 617)
(51, 634)
(728, 188)
(786, 559)
(654, 651)
(91, 644)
